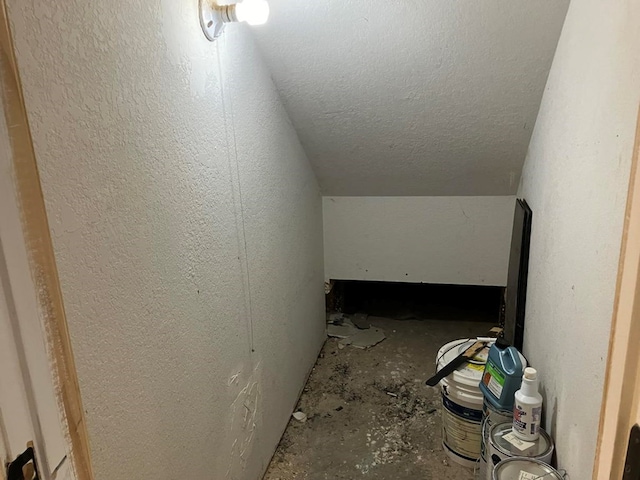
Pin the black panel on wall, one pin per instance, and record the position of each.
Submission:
(516, 293)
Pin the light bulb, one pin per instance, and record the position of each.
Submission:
(254, 12)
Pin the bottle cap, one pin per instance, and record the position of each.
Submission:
(530, 373)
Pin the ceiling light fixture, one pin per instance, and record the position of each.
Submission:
(213, 17)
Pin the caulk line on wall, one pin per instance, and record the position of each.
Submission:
(236, 185)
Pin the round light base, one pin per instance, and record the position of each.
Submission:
(210, 20)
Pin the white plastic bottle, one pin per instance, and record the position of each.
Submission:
(527, 408)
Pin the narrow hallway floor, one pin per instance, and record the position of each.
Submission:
(370, 414)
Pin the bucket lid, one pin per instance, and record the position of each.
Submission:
(518, 467)
(470, 373)
(504, 443)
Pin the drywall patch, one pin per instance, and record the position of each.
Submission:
(244, 412)
(455, 240)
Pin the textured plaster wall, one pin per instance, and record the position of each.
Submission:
(452, 240)
(418, 98)
(576, 180)
(187, 225)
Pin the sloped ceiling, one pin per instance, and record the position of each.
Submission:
(413, 97)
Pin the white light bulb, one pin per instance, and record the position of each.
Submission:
(254, 12)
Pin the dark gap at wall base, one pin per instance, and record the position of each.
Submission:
(405, 301)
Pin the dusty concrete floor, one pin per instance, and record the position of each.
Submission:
(355, 428)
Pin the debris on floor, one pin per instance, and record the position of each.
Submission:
(364, 338)
(344, 329)
(361, 320)
(300, 416)
(369, 413)
(355, 330)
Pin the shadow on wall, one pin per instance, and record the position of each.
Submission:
(404, 301)
(550, 417)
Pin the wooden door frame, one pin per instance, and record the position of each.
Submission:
(622, 382)
(30, 206)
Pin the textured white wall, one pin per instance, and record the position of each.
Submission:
(452, 240)
(419, 98)
(575, 179)
(187, 226)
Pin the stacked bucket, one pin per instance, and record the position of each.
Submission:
(477, 415)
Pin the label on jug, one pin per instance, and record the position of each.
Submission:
(493, 379)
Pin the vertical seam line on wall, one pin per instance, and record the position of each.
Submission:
(237, 168)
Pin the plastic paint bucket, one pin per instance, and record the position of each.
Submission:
(522, 468)
(462, 404)
(502, 445)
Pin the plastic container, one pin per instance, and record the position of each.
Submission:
(527, 411)
(491, 415)
(462, 404)
(521, 468)
(502, 375)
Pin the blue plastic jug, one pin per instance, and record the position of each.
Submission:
(502, 375)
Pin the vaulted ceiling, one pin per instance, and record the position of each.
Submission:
(413, 97)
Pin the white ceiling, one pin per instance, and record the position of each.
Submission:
(413, 97)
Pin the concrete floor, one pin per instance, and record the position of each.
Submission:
(370, 413)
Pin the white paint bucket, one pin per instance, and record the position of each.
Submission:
(490, 416)
(522, 468)
(462, 404)
(502, 444)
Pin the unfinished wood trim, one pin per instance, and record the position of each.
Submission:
(620, 396)
(39, 247)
